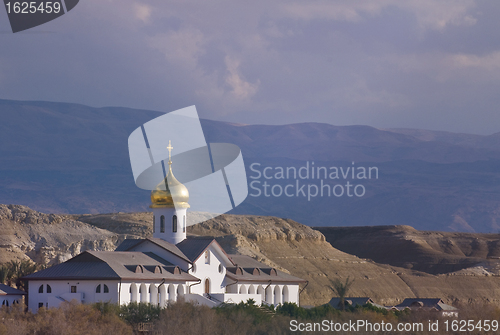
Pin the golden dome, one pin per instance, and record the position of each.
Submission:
(170, 190)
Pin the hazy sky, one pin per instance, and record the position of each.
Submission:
(386, 63)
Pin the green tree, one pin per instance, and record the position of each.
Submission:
(4, 271)
(341, 289)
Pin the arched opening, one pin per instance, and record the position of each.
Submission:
(184, 224)
(153, 294)
(207, 286)
(243, 289)
(5, 303)
(106, 288)
(171, 292)
(163, 295)
(40, 289)
(260, 290)
(162, 224)
(143, 292)
(133, 292)
(277, 295)
(154, 224)
(286, 294)
(269, 295)
(180, 292)
(174, 224)
(49, 289)
(251, 289)
(98, 289)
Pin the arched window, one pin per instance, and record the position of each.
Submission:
(174, 224)
(98, 289)
(154, 224)
(106, 289)
(277, 295)
(40, 289)
(184, 225)
(207, 257)
(5, 303)
(243, 289)
(133, 292)
(207, 286)
(162, 224)
(49, 289)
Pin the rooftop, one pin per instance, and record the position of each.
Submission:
(128, 265)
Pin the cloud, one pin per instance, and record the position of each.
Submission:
(182, 47)
(240, 88)
(379, 62)
(143, 12)
(440, 14)
(488, 62)
(430, 14)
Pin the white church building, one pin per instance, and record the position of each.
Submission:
(167, 267)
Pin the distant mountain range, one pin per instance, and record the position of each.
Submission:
(69, 158)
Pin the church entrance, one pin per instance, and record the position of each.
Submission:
(207, 286)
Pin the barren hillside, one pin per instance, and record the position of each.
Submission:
(285, 244)
(428, 251)
(48, 238)
(304, 252)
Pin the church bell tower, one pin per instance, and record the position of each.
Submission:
(169, 201)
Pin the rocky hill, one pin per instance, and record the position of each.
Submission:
(283, 243)
(48, 238)
(428, 251)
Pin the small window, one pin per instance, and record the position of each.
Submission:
(184, 225)
(98, 289)
(207, 257)
(73, 289)
(5, 303)
(49, 289)
(221, 268)
(40, 304)
(106, 289)
(154, 224)
(162, 224)
(40, 289)
(174, 224)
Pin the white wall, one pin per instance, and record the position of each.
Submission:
(169, 235)
(211, 271)
(61, 291)
(237, 298)
(275, 294)
(86, 291)
(154, 293)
